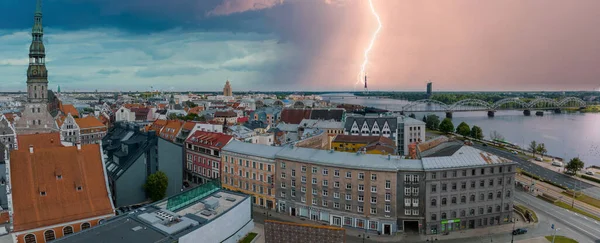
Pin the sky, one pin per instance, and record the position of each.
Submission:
(312, 45)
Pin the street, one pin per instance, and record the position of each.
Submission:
(546, 174)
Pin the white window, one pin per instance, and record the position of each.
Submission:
(388, 184)
(314, 201)
(373, 210)
(336, 184)
(415, 202)
(348, 207)
(361, 176)
(373, 199)
(388, 197)
(407, 211)
(325, 203)
(407, 202)
(303, 199)
(415, 212)
(304, 168)
(348, 196)
(348, 174)
(303, 189)
(282, 164)
(314, 181)
(325, 183)
(406, 178)
(283, 175)
(361, 188)
(361, 198)
(314, 170)
(373, 188)
(359, 209)
(416, 179)
(415, 190)
(336, 173)
(283, 185)
(325, 171)
(388, 208)
(303, 179)
(336, 195)
(348, 186)
(336, 205)
(314, 191)
(283, 194)
(293, 192)
(325, 193)
(373, 177)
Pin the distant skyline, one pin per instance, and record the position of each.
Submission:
(309, 45)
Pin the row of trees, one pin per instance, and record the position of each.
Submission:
(433, 122)
(539, 148)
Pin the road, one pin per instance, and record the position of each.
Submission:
(546, 174)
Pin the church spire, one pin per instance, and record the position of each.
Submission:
(37, 74)
(38, 7)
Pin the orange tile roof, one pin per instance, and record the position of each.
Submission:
(196, 110)
(66, 109)
(60, 120)
(157, 125)
(214, 140)
(171, 129)
(189, 125)
(32, 173)
(42, 140)
(88, 122)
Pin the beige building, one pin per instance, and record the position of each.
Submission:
(227, 89)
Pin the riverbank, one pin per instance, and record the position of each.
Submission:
(588, 109)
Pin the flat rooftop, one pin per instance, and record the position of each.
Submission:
(164, 221)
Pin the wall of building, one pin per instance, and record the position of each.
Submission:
(282, 232)
(230, 227)
(407, 182)
(58, 230)
(235, 182)
(3, 196)
(320, 141)
(170, 159)
(129, 186)
(471, 219)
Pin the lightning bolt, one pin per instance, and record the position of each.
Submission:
(361, 74)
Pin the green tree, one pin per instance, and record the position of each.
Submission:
(463, 129)
(425, 119)
(541, 149)
(191, 116)
(173, 116)
(156, 186)
(575, 165)
(433, 122)
(476, 132)
(533, 147)
(190, 104)
(447, 126)
(412, 115)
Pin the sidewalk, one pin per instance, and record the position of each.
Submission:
(543, 187)
(492, 230)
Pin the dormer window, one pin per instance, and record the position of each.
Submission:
(58, 177)
(79, 188)
(43, 193)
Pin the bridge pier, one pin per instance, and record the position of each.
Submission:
(557, 111)
(539, 113)
(449, 115)
(491, 113)
(527, 112)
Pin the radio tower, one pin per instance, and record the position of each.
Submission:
(366, 89)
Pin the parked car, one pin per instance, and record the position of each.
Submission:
(589, 172)
(539, 159)
(519, 231)
(557, 163)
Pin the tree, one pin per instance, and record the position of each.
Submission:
(412, 115)
(463, 129)
(433, 122)
(541, 149)
(476, 132)
(173, 116)
(533, 147)
(495, 135)
(190, 116)
(447, 126)
(156, 186)
(575, 165)
(425, 119)
(190, 104)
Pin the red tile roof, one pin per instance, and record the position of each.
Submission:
(211, 140)
(189, 125)
(294, 116)
(242, 119)
(66, 109)
(88, 122)
(196, 110)
(37, 172)
(171, 129)
(42, 140)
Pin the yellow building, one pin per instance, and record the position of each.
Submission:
(367, 144)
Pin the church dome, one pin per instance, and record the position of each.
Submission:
(37, 48)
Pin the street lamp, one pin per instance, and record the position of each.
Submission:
(554, 235)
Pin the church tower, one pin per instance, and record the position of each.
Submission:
(37, 74)
(227, 89)
(36, 118)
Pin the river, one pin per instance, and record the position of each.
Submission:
(565, 135)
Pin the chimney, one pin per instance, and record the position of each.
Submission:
(31, 149)
(78, 144)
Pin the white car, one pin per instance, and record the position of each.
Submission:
(539, 159)
(589, 172)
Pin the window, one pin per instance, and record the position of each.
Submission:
(464, 173)
(43, 193)
(303, 179)
(444, 174)
(67, 230)
(303, 199)
(49, 235)
(336, 205)
(293, 173)
(361, 187)
(388, 197)
(283, 194)
(491, 182)
(314, 191)
(283, 185)
(336, 173)
(444, 187)
(325, 171)
(481, 197)
(361, 198)
(325, 203)
(472, 184)
(444, 216)
(373, 211)
(433, 188)
(463, 199)
(293, 182)
(388, 208)
(373, 199)
(325, 183)
(489, 209)
(509, 168)
(433, 217)
(314, 201)
(444, 201)
(482, 171)
(490, 196)
(348, 186)
(463, 213)
(348, 207)
(85, 225)
(336, 184)
(314, 170)
(498, 208)
(463, 185)
(325, 193)
(433, 176)
(348, 174)
(359, 209)
(283, 175)
(500, 180)
(453, 214)
(388, 184)
(303, 189)
(508, 194)
(282, 164)
(481, 183)
(336, 195)
(499, 195)
(373, 188)
(454, 174)
(472, 198)
(407, 202)
(506, 207)
(304, 168)
(473, 172)
(453, 186)
(314, 181)
(472, 212)
(373, 177)
(433, 202)
(453, 200)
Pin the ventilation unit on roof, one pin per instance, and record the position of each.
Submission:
(231, 199)
(217, 195)
(206, 213)
(136, 228)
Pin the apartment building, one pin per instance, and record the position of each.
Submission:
(249, 168)
(203, 156)
(466, 190)
(91, 130)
